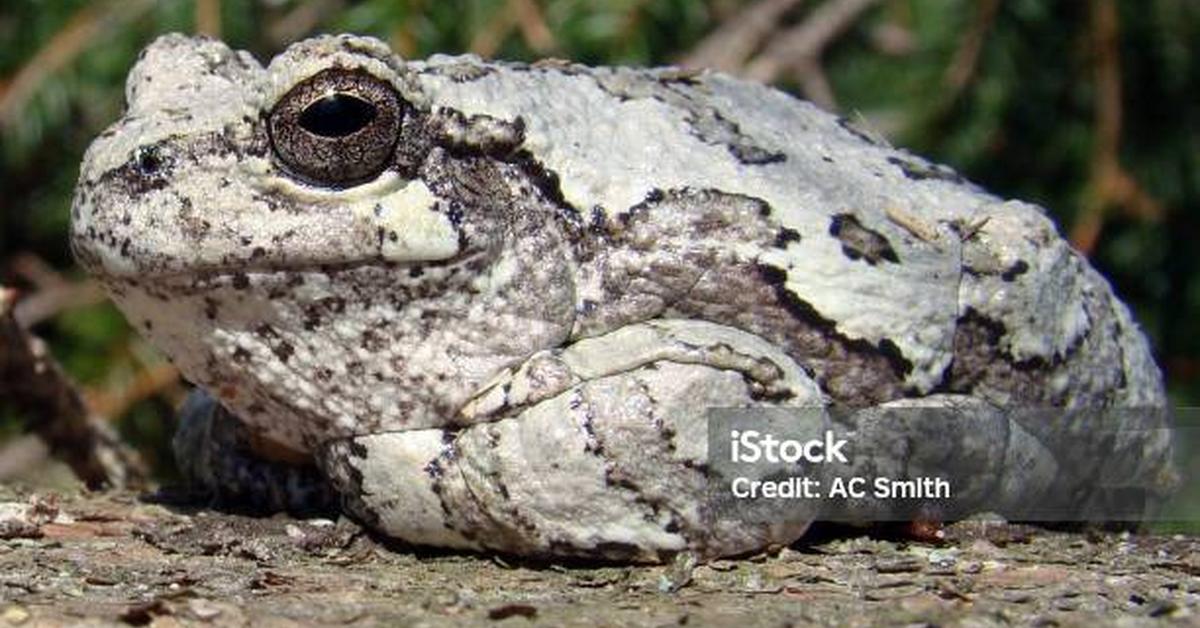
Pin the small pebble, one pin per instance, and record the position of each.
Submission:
(15, 615)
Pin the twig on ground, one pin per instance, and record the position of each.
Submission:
(730, 45)
(521, 15)
(35, 270)
(894, 36)
(816, 85)
(1182, 369)
(798, 50)
(48, 303)
(631, 19)
(35, 384)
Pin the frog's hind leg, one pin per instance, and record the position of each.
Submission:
(605, 455)
(1048, 465)
(215, 456)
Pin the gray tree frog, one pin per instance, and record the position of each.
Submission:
(492, 300)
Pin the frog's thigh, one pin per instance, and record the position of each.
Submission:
(613, 467)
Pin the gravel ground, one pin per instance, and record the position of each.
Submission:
(110, 558)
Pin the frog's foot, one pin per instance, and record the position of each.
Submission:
(218, 461)
(598, 450)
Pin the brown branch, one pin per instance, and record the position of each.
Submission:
(894, 36)
(54, 292)
(1110, 185)
(1183, 369)
(1106, 44)
(730, 45)
(800, 47)
(532, 25)
(522, 15)
(631, 20)
(48, 303)
(965, 63)
(86, 25)
(301, 20)
(208, 17)
(33, 269)
(148, 383)
(488, 39)
(37, 387)
(816, 86)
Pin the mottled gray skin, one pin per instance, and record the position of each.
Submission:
(504, 338)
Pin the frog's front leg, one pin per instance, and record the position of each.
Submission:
(597, 450)
(217, 457)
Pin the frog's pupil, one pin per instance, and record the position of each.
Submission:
(337, 115)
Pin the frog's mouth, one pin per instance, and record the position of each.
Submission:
(376, 277)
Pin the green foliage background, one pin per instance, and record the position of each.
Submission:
(1024, 125)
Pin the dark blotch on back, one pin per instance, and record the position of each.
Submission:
(918, 170)
(1014, 271)
(752, 155)
(785, 236)
(861, 243)
(802, 310)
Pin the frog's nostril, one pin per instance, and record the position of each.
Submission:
(148, 160)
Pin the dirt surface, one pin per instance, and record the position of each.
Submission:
(109, 558)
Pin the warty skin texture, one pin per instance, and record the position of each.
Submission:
(563, 265)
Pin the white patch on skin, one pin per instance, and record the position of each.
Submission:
(393, 463)
(1049, 290)
(411, 231)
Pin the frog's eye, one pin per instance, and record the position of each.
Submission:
(336, 128)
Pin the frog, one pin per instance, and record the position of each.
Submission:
(484, 305)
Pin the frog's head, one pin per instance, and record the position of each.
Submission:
(292, 235)
(220, 164)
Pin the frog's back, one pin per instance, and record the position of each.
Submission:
(878, 259)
